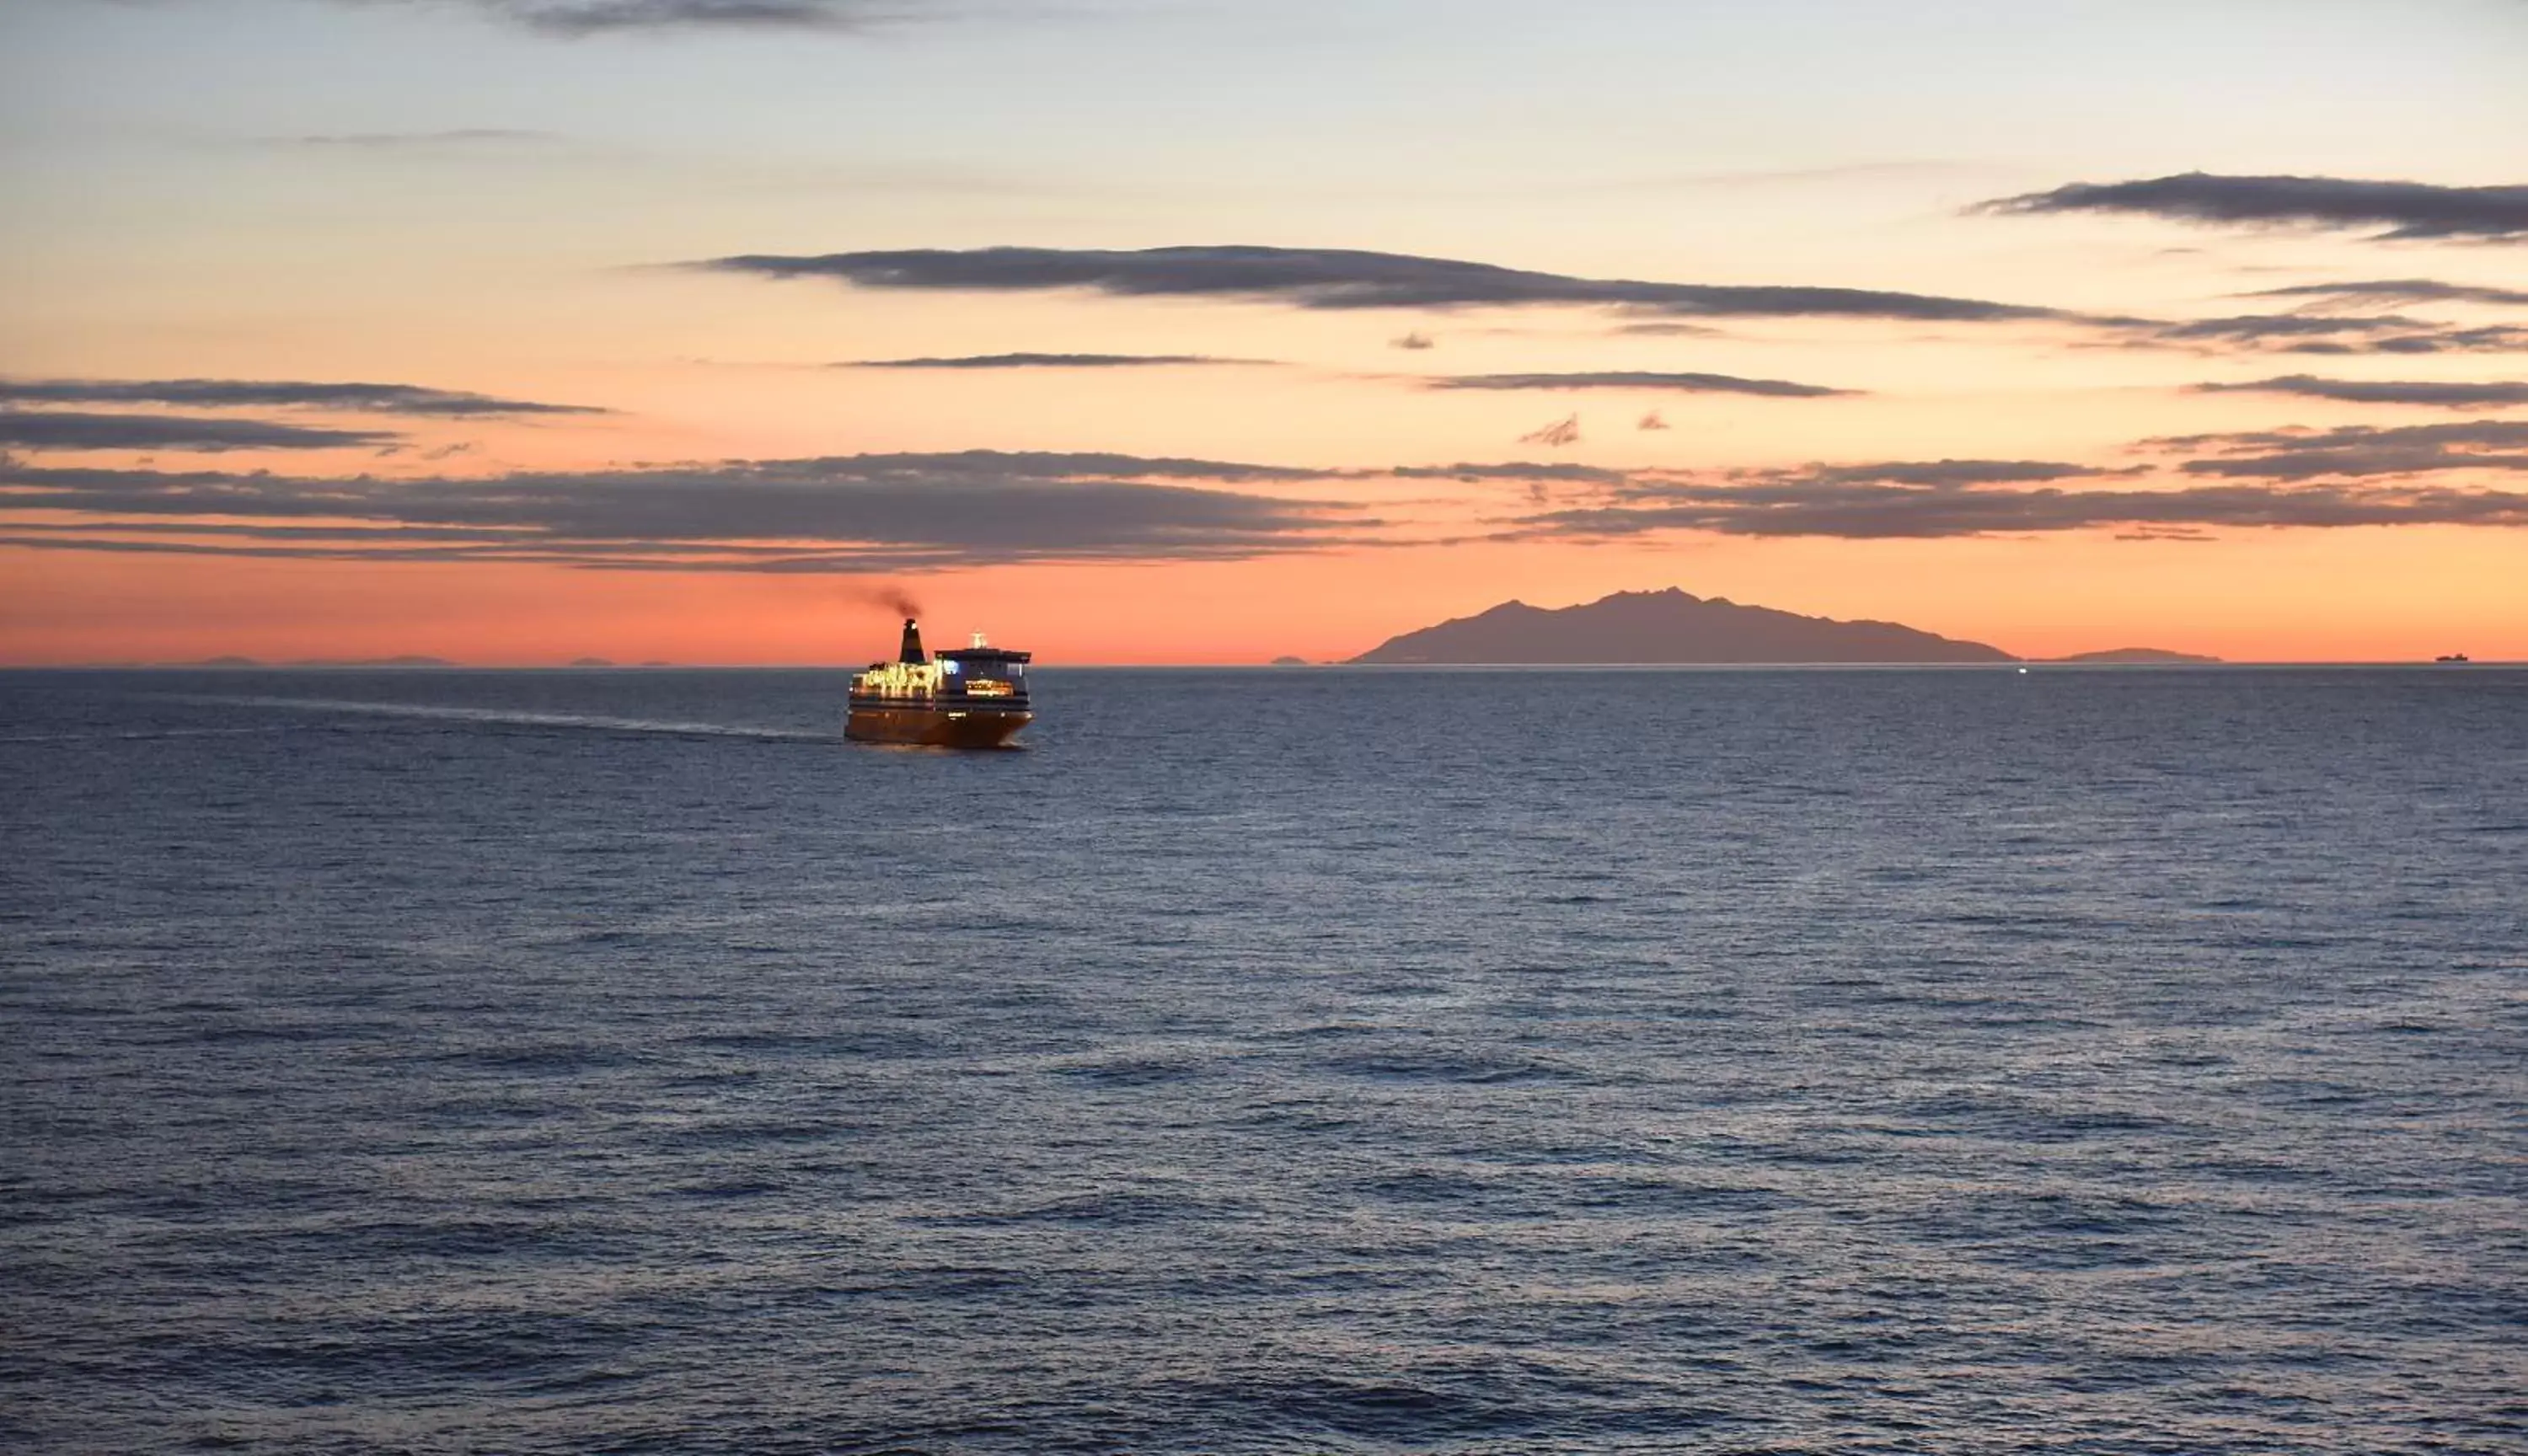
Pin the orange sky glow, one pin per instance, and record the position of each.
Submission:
(703, 343)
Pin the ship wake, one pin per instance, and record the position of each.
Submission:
(517, 718)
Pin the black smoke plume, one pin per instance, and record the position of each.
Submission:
(892, 598)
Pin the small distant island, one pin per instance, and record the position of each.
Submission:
(1286, 661)
(2143, 655)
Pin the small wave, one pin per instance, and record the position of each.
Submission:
(1472, 1070)
(728, 1190)
(729, 1134)
(543, 1059)
(1109, 1209)
(1131, 1072)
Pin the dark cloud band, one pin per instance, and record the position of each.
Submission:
(1046, 362)
(1891, 512)
(1342, 279)
(220, 393)
(2395, 290)
(881, 512)
(1629, 379)
(385, 142)
(2331, 333)
(2356, 451)
(2403, 209)
(915, 511)
(1919, 500)
(571, 19)
(64, 429)
(2440, 393)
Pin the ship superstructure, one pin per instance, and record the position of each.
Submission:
(964, 697)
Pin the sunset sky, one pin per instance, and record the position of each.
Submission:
(1179, 330)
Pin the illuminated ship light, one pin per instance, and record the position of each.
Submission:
(972, 696)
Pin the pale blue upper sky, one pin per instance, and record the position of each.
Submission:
(1732, 141)
(1307, 100)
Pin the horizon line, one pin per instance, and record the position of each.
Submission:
(452, 666)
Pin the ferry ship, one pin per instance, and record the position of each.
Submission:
(968, 698)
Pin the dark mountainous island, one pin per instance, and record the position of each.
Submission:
(1669, 627)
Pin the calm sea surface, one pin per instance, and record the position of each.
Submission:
(1303, 1061)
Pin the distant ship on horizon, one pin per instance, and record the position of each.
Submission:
(972, 696)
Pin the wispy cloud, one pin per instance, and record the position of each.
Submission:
(573, 18)
(383, 141)
(1524, 472)
(2404, 210)
(2331, 333)
(2392, 292)
(1930, 500)
(1883, 512)
(1667, 329)
(67, 430)
(219, 393)
(2443, 395)
(1634, 379)
(1343, 279)
(1562, 432)
(1941, 475)
(1047, 361)
(2355, 452)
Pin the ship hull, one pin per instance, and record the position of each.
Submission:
(934, 728)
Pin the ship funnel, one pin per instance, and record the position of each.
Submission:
(912, 650)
